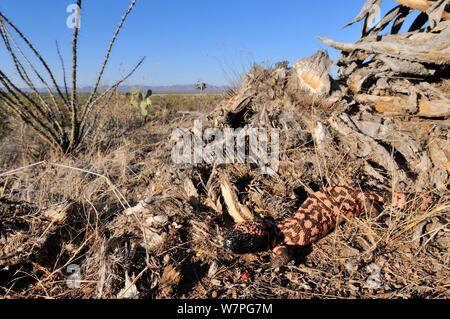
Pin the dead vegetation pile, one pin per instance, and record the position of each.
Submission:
(132, 223)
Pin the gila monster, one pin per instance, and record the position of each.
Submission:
(315, 218)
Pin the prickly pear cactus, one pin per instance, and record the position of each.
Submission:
(140, 100)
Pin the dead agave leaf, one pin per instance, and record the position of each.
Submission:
(369, 8)
(313, 73)
(399, 105)
(212, 200)
(422, 5)
(237, 211)
(427, 47)
(191, 192)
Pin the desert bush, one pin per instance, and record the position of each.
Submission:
(141, 101)
(58, 117)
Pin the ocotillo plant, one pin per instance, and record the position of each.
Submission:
(61, 121)
(140, 100)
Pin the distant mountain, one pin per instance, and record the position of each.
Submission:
(179, 88)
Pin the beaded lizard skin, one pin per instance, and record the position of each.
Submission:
(315, 218)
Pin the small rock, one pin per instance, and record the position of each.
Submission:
(155, 239)
(321, 134)
(350, 267)
(443, 241)
(374, 279)
(306, 286)
(353, 287)
(176, 226)
(58, 213)
(213, 269)
(350, 252)
(157, 221)
(161, 219)
(215, 282)
(166, 259)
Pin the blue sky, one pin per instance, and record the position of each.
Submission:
(184, 41)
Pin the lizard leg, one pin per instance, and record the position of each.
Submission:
(371, 207)
(281, 256)
(425, 201)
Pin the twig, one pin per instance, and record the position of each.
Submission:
(429, 214)
(63, 69)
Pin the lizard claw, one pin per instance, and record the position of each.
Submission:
(281, 256)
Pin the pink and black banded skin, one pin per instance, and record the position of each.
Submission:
(315, 218)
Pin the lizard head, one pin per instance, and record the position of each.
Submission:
(251, 237)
